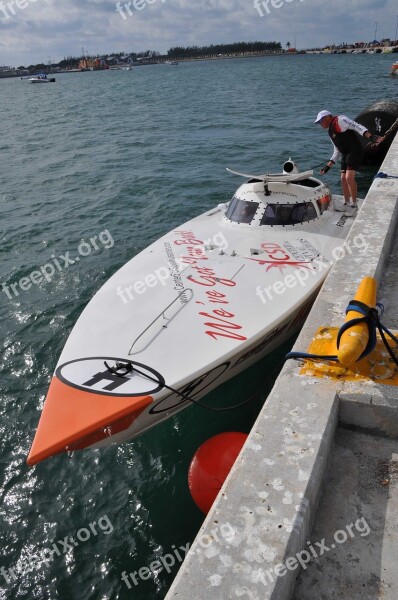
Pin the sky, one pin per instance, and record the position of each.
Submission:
(35, 31)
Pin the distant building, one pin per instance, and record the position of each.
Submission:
(112, 60)
(92, 64)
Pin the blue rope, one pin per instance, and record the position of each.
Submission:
(368, 318)
(384, 176)
(372, 319)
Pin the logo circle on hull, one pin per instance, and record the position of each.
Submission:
(91, 375)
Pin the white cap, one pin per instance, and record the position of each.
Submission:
(323, 113)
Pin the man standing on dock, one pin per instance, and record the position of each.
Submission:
(347, 146)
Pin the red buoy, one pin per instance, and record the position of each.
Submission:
(210, 466)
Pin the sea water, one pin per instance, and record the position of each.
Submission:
(122, 157)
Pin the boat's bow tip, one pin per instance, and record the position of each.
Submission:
(74, 419)
(33, 459)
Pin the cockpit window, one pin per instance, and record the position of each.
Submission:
(241, 211)
(288, 214)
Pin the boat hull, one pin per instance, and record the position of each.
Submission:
(185, 315)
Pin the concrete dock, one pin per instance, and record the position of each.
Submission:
(311, 503)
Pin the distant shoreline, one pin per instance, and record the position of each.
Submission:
(156, 61)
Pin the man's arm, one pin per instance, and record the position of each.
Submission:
(344, 123)
(336, 154)
(332, 161)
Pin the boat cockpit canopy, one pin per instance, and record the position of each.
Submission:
(242, 211)
(288, 214)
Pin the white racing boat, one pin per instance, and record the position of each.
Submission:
(41, 78)
(191, 311)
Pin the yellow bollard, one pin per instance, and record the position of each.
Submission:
(354, 341)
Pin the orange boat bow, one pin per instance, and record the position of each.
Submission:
(74, 419)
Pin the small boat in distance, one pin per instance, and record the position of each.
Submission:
(194, 309)
(171, 62)
(41, 78)
(120, 68)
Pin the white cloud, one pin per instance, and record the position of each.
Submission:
(51, 28)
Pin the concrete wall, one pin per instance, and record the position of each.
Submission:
(267, 504)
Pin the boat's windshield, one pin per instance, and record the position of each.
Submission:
(288, 214)
(241, 211)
